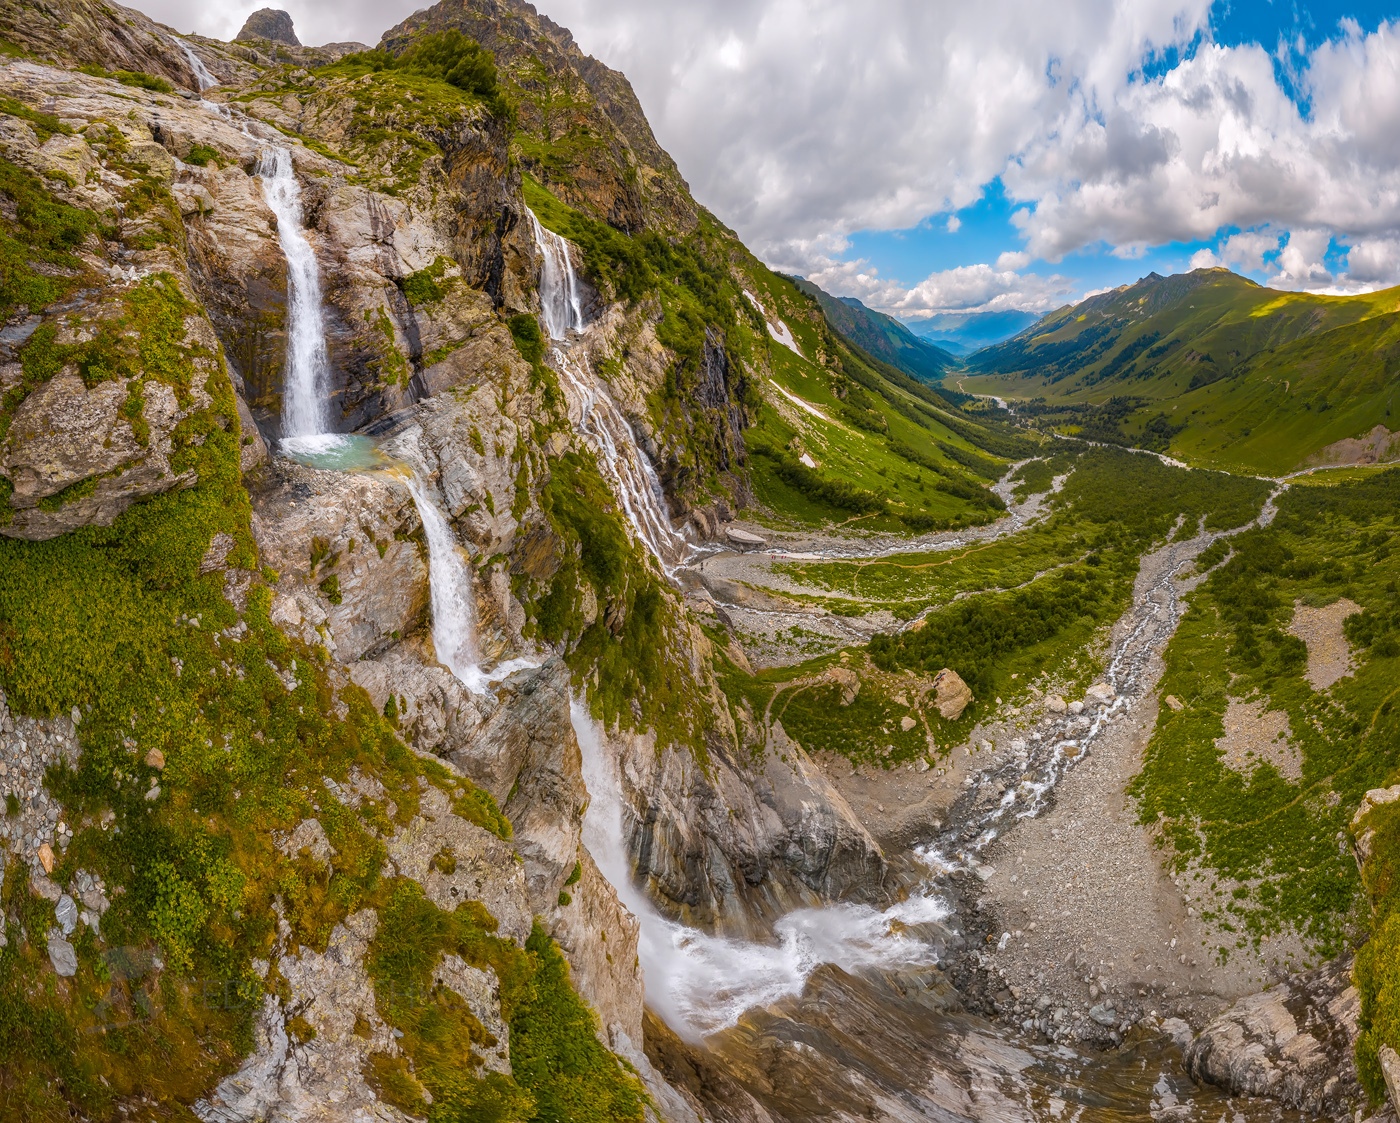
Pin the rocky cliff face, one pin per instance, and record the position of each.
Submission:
(583, 132)
(141, 382)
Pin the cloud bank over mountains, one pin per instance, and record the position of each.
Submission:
(1112, 124)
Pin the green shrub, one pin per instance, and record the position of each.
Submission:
(201, 155)
(446, 56)
(834, 493)
(559, 1069)
(477, 806)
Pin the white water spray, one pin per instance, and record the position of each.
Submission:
(450, 581)
(597, 416)
(559, 288)
(306, 386)
(453, 597)
(201, 72)
(700, 983)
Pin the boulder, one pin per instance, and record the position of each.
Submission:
(66, 436)
(344, 536)
(1293, 1043)
(271, 24)
(1390, 1069)
(308, 837)
(62, 956)
(951, 695)
(1055, 704)
(1364, 835)
(744, 540)
(66, 913)
(847, 680)
(1100, 694)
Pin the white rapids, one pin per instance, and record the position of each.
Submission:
(593, 410)
(700, 983)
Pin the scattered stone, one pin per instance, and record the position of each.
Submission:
(1055, 704)
(153, 794)
(62, 956)
(1255, 735)
(907, 723)
(155, 759)
(1076, 708)
(46, 858)
(1323, 630)
(67, 914)
(1174, 703)
(952, 695)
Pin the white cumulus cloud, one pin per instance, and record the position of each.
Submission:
(802, 121)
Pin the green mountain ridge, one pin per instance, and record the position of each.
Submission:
(881, 336)
(1211, 367)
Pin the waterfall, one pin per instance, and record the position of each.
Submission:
(700, 983)
(453, 597)
(450, 583)
(306, 387)
(633, 478)
(201, 72)
(559, 288)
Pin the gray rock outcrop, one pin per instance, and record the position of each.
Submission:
(271, 24)
(1294, 1043)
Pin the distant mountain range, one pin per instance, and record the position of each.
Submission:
(964, 332)
(1215, 367)
(882, 336)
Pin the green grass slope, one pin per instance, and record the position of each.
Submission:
(1209, 366)
(880, 336)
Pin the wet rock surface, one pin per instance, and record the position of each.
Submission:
(1293, 1043)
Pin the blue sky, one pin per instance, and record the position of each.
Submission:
(1288, 29)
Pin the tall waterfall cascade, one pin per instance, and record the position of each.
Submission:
(560, 303)
(700, 983)
(306, 413)
(307, 435)
(593, 410)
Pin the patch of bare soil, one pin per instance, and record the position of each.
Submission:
(1379, 446)
(1255, 736)
(1329, 653)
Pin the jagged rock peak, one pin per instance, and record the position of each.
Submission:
(272, 24)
